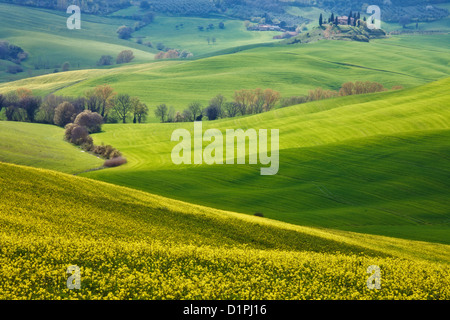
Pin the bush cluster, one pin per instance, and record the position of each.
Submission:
(347, 89)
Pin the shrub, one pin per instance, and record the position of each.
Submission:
(258, 214)
(64, 113)
(78, 135)
(292, 101)
(105, 61)
(65, 67)
(115, 162)
(125, 56)
(91, 120)
(107, 152)
(14, 69)
(124, 32)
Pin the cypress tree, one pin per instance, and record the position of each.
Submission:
(320, 20)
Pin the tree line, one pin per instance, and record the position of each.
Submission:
(245, 102)
(347, 89)
(22, 105)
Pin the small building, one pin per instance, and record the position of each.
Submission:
(343, 20)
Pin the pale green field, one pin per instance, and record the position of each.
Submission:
(291, 70)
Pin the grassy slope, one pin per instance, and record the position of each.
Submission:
(43, 34)
(292, 70)
(190, 38)
(375, 163)
(131, 244)
(42, 146)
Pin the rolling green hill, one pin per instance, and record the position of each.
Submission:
(291, 70)
(375, 163)
(44, 35)
(42, 146)
(134, 245)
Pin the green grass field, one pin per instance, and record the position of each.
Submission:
(42, 146)
(363, 180)
(43, 34)
(292, 70)
(376, 163)
(190, 38)
(133, 245)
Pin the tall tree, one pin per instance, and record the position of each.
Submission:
(2, 101)
(196, 109)
(30, 105)
(320, 20)
(141, 112)
(105, 95)
(122, 106)
(161, 112)
(134, 105)
(92, 101)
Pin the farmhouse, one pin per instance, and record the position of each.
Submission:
(265, 27)
(343, 20)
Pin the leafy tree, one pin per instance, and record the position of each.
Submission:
(23, 93)
(92, 101)
(161, 112)
(404, 21)
(2, 101)
(320, 20)
(125, 56)
(105, 61)
(171, 114)
(78, 135)
(134, 104)
(212, 112)
(91, 120)
(271, 97)
(10, 103)
(221, 25)
(30, 105)
(187, 116)
(65, 67)
(140, 112)
(124, 32)
(122, 106)
(105, 97)
(196, 109)
(65, 113)
(144, 5)
(46, 111)
(243, 99)
(232, 109)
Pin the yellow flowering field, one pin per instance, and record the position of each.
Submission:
(134, 245)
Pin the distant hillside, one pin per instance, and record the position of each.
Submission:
(392, 10)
